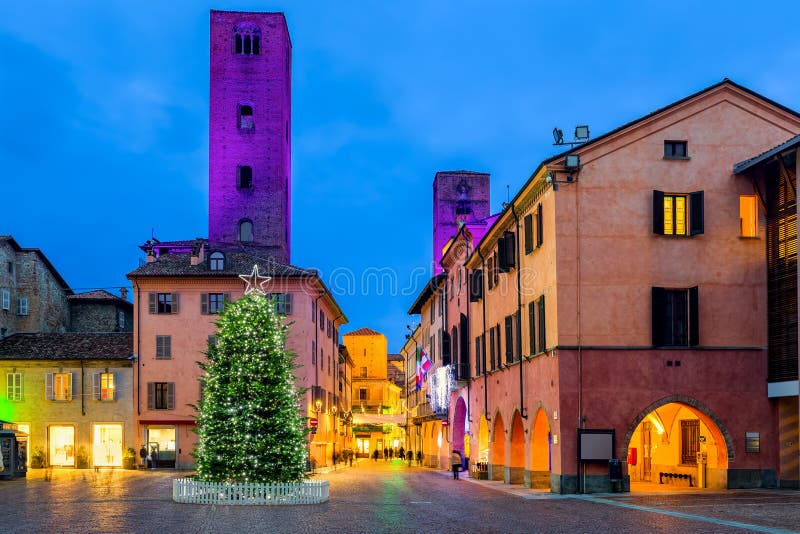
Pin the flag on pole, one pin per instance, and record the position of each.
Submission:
(419, 371)
(425, 362)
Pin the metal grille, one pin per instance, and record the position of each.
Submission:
(782, 272)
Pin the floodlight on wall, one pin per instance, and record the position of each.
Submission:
(572, 161)
(582, 133)
(558, 136)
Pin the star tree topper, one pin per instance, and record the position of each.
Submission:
(255, 282)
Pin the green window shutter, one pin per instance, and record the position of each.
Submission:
(658, 212)
(176, 302)
(528, 224)
(48, 386)
(204, 303)
(151, 395)
(694, 317)
(542, 326)
(151, 297)
(696, 222)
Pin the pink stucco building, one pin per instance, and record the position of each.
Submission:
(618, 310)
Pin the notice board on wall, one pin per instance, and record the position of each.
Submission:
(595, 445)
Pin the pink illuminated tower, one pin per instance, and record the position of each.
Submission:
(458, 197)
(249, 160)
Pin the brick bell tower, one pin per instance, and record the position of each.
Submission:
(249, 152)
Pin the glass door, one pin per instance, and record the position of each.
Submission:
(62, 445)
(107, 445)
(161, 445)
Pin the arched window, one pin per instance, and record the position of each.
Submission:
(245, 231)
(247, 39)
(244, 177)
(246, 117)
(217, 261)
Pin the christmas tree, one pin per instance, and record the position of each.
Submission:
(249, 425)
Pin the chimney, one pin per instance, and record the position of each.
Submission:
(123, 293)
(151, 256)
(198, 252)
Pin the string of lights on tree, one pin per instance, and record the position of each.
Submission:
(249, 425)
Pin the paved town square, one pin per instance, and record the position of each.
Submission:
(380, 497)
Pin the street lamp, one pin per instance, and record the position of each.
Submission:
(335, 435)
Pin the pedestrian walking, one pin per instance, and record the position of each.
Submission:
(375, 455)
(419, 457)
(350, 458)
(455, 461)
(385, 454)
(402, 453)
(391, 453)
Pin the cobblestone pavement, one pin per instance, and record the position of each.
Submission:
(379, 497)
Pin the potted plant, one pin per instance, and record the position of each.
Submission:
(38, 458)
(129, 458)
(82, 458)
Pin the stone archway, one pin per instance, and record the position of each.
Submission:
(459, 426)
(541, 449)
(515, 472)
(663, 442)
(497, 460)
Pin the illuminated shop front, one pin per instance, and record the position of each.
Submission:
(61, 445)
(107, 445)
(161, 443)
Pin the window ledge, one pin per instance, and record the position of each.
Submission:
(674, 158)
(750, 237)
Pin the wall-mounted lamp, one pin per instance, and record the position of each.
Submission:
(572, 161)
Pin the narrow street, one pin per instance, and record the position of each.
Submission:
(379, 497)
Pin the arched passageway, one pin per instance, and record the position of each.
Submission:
(675, 445)
(496, 465)
(515, 473)
(541, 451)
(460, 427)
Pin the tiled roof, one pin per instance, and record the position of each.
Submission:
(462, 172)
(395, 357)
(69, 346)
(97, 294)
(364, 332)
(236, 262)
(755, 160)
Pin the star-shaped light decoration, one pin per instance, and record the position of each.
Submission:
(255, 282)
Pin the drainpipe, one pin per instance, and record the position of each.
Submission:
(138, 339)
(83, 397)
(519, 313)
(483, 339)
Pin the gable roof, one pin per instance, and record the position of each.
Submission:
(605, 136)
(363, 332)
(432, 285)
(98, 296)
(67, 346)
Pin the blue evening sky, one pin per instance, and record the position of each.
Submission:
(104, 119)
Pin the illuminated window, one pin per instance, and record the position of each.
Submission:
(678, 214)
(748, 216)
(217, 261)
(104, 388)
(58, 386)
(14, 386)
(246, 231)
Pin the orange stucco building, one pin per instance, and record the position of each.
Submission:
(619, 309)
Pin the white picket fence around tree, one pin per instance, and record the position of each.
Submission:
(187, 490)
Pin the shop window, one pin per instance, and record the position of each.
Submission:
(748, 216)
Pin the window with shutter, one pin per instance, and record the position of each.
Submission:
(532, 327)
(542, 326)
(14, 386)
(313, 353)
(49, 379)
(678, 214)
(215, 302)
(528, 226)
(96, 386)
(58, 386)
(151, 297)
(675, 321)
(108, 388)
(151, 395)
(509, 331)
(492, 350)
(539, 226)
(204, 303)
(478, 356)
(476, 285)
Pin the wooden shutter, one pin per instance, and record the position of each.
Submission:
(502, 266)
(542, 326)
(113, 391)
(287, 303)
(204, 303)
(490, 272)
(96, 387)
(696, 215)
(478, 356)
(694, 317)
(658, 212)
(518, 336)
(151, 298)
(476, 285)
(176, 302)
(658, 304)
(171, 396)
(509, 339)
(539, 226)
(491, 348)
(151, 395)
(48, 386)
(71, 381)
(528, 224)
(510, 251)
(532, 327)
